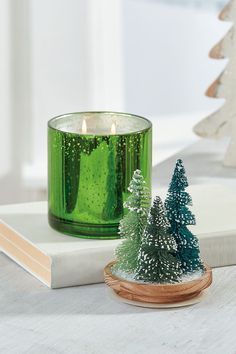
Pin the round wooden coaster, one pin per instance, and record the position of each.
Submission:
(157, 293)
(151, 305)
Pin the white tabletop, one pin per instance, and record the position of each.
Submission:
(203, 161)
(85, 319)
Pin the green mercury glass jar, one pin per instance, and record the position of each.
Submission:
(91, 160)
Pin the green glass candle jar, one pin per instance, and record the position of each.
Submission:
(91, 160)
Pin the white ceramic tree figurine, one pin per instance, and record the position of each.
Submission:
(223, 122)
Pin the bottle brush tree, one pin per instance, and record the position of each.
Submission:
(180, 217)
(156, 260)
(132, 225)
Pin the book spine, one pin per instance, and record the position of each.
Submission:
(219, 250)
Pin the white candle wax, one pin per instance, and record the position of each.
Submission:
(100, 123)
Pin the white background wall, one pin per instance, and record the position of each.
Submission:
(167, 69)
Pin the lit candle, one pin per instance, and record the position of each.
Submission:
(92, 157)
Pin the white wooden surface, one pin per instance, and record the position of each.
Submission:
(36, 320)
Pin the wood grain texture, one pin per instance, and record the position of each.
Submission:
(225, 48)
(153, 305)
(216, 52)
(157, 293)
(212, 89)
(225, 13)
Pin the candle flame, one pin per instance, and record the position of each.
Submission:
(113, 128)
(84, 127)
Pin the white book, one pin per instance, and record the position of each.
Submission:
(59, 260)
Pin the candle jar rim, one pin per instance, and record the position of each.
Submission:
(57, 118)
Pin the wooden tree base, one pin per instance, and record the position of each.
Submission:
(157, 293)
(157, 305)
